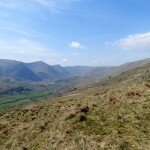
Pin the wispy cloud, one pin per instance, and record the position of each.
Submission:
(29, 33)
(54, 6)
(135, 41)
(8, 4)
(75, 54)
(95, 62)
(64, 59)
(26, 50)
(77, 45)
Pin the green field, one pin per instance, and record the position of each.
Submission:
(39, 92)
(9, 101)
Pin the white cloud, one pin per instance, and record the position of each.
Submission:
(54, 6)
(26, 50)
(7, 4)
(135, 41)
(64, 59)
(29, 33)
(95, 62)
(75, 54)
(77, 45)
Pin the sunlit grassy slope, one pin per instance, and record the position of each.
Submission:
(113, 114)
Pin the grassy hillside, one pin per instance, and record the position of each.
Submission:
(81, 70)
(102, 73)
(111, 115)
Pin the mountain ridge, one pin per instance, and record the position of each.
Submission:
(40, 71)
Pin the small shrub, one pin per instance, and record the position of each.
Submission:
(24, 148)
(33, 118)
(2, 127)
(96, 94)
(112, 101)
(124, 146)
(147, 85)
(85, 109)
(71, 116)
(82, 118)
(42, 128)
(132, 94)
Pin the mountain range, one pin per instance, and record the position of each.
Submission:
(41, 72)
(35, 71)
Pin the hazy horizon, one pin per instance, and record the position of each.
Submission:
(75, 32)
(76, 65)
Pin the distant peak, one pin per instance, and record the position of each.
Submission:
(42, 62)
(39, 63)
(57, 65)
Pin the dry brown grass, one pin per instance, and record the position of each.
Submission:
(110, 117)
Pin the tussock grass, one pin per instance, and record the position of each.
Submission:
(111, 117)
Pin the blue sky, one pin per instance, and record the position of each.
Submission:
(75, 32)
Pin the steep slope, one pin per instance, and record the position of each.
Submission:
(61, 71)
(47, 72)
(101, 73)
(113, 114)
(79, 70)
(97, 74)
(132, 65)
(42, 70)
(15, 70)
(36, 71)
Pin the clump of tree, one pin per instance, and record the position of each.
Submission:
(15, 90)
